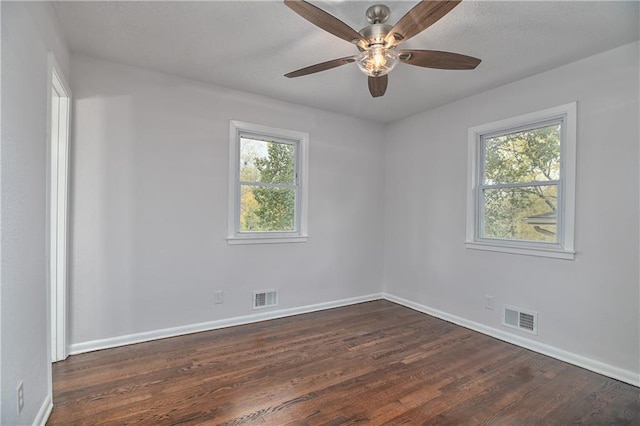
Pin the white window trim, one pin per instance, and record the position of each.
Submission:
(302, 139)
(565, 250)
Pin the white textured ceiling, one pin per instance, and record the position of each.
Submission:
(250, 45)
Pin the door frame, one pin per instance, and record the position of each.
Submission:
(58, 120)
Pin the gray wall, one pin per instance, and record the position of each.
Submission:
(587, 307)
(29, 31)
(150, 181)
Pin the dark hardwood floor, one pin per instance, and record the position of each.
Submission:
(375, 362)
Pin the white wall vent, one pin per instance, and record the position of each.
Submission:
(265, 298)
(521, 319)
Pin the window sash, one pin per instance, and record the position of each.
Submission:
(481, 212)
(269, 139)
(295, 186)
(481, 187)
(296, 209)
(560, 120)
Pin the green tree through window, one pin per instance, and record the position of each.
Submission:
(520, 184)
(268, 186)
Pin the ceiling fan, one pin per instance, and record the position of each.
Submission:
(378, 42)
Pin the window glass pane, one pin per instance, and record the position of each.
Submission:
(526, 156)
(523, 213)
(265, 209)
(267, 162)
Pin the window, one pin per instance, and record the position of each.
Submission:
(522, 184)
(267, 184)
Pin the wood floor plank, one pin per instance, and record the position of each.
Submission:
(372, 363)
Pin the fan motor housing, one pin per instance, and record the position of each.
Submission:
(375, 34)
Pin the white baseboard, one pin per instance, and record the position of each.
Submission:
(626, 376)
(44, 412)
(129, 339)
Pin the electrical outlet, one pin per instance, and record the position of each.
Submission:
(488, 302)
(218, 297)
(20, 392)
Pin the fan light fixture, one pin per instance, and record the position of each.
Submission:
(377, 61)
(378, 42)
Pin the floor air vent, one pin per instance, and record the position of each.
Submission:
(265, 298)
(520, 319)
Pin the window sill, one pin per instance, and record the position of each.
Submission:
(529, 251)
(266, 240)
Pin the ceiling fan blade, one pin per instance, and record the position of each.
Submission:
(321, 67)
(378, 85)
(418, 19)
(323, 20)
(437, 59)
